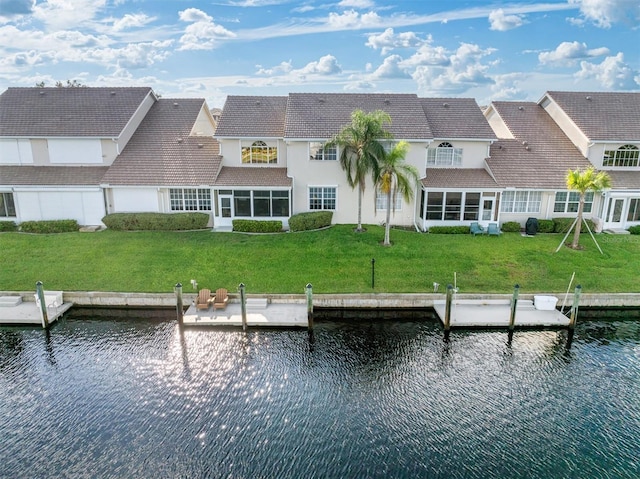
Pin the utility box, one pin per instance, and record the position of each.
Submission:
(531, 227)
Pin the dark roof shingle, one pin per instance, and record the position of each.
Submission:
(458, 178)
(25, 175)
(253, 176)
(253, 116)
(456, 118)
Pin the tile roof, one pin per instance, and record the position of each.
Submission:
(51, 175)
(162, 153)
(260, 176)
(625, 180)
(322, 115)
(458, 178)
(602, 116)
(68, 112)
(456, 118)
(540, 153)
(253, 117)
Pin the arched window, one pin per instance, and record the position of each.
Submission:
(626, 155)
(444, 155)
(259, 152)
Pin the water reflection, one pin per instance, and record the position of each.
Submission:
(146, 398)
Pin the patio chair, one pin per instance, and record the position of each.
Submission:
(204, 299)
(476, 229)
(221, 299)
(494, 230)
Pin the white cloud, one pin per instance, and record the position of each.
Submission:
(391, 68)
(354, 20)
(202, 33)
(356, 4)
(429, 54)
(66, 14)
(283, 67)
(569, 53)
(387, 41)
(326, 65)
(501, 22)
(135, 20)
(612, 73)
(604, 13)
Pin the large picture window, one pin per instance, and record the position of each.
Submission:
(261, 203)
(320, 152)
(259, 152)
(521, 201)
(626, 155)
(190, 199)
(322, 198)
(7, 206)
(444, 155)
(568, 202)
(453, 206)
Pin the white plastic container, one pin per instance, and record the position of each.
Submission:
(545, 303)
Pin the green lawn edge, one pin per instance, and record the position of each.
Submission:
(334, 260)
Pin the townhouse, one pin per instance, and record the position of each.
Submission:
(82, 153)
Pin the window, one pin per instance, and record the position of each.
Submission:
(634, 210)
(471, 206)
(568, 202)
(444, 155)
(521, 202)
(318, 151)
(270, 203)
(381, 201)
(190, 199)
(242, 202)
(7, 206)
(626, 155)
(322, 198)
(259, 152)
(452, 205)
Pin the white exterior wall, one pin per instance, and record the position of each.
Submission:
(498, 125)
(85, 205)
(204, 124)
(135, 200)
(569, 128)
(74, 151)
(132, 125)
(231, 151)
(15, 152)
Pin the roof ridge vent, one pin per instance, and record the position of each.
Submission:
(521, 108)
(176, 104)
(587, 98)
(257, 102)
(200, 145)
(179, 140)
(112, 93)
(445, 104)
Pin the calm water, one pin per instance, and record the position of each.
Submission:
(136, 398)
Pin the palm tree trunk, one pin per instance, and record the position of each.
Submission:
(359, 228)
(387, 225)
(576, 233)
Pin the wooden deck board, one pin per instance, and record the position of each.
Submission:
(28, 313)
(274, 315)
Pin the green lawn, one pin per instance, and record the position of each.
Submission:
(333, 260)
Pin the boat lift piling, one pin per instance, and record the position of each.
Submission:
(179, 305)
(309, 293)
(447, 314)
(243, 306)
(43, 305)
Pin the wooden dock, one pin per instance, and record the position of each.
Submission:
(283, 315)
(470, 313)
(18, 312)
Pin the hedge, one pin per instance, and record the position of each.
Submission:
(257, 226)
(51, 226)
(634, 230)
(545, 226)
(562, 225)
(8, 226)
(310, 221)
(510, 227)
(449, 230)
(156, 221)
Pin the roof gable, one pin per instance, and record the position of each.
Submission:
(68, 112)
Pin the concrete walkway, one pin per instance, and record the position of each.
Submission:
(273, 315)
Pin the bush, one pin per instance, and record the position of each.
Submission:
(257, 226)
(51, 226)
(310, 221)
(545, 226)
(156, 221)
(511, 227)
(8, 226)
(562, 225)
(634, 230)
(449, 230)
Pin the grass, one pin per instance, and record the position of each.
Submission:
(335, 260)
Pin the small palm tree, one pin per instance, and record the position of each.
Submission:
(396, 177)
(582, 182)
(361, 149)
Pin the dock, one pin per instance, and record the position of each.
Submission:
(15, 311)
(260, 314)
(495, 313)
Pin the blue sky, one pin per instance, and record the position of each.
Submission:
(182, 48)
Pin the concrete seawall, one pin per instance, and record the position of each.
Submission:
(343, 301)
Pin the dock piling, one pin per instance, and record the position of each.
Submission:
(373, 273)
(309, 292)
(43, 305)
(447, 311)
(574, 308)
(243, 306)
(179, 305)
(514, 304)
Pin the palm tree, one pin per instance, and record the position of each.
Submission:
(582, 182)
(395, 177)
(361, 149)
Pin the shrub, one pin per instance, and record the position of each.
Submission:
(510, 227)
(257, 226)
(634, 230)
(562, 225)
(449, 230)
(310, 221)
(545, 226)
(8, 226)
(51, 226)
(156, 221)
